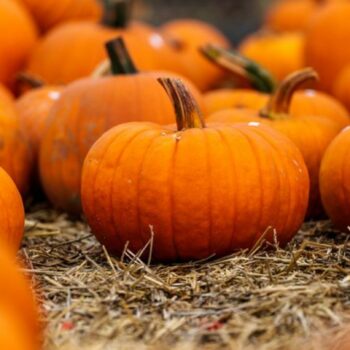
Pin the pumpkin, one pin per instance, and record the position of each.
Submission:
(49, 14)
(74, 50)
(199, 190)
(184, 38)
(304, 102)
(312, 134)
(281, 54)
(326, 46)
(33, 110)
(341, 86)
(15, 151)
(334, 181)
(290, 15)
(17, 39)
(18, 308)
(88, 108)
(11, 213)
(6, 95)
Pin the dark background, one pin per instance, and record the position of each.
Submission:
(235, 18)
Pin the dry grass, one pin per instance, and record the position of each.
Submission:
(263, 299)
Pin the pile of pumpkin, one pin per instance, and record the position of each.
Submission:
(130, 125)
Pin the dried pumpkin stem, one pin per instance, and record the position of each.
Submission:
(29, 80)
(258, 77)
(117, 13)
(279, 102)
(120, 60)
(187, 111)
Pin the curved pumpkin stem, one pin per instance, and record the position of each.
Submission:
(279, 102)
(258, 77)
(120, 60)
(187, 112)
(116, 13)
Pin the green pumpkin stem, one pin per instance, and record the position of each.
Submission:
(258, 77)
(116, 13)
(121, 62)
(188, 115)
(280, 101)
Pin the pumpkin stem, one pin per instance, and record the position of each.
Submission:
(188, 115)
(279, 102)
(29, 80)
(258, 77)
(120, 60)
(116, 13)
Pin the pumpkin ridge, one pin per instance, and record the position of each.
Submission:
(343, 176)
(234, 177)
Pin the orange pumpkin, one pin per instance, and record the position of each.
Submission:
(341, 86)
(15, 151)
(290, 15)
(183, 56)
(11, 213)
(17, 38)
(334, 181)
(312, 134)
(6, 95)
(304, 102)
(86, 110)
(49, 14)
(74, 50)
(33, 109)
(281, 54)
(326, 47)
(201, 189)
(19, 321)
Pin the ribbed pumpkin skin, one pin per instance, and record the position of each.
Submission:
(33, 109)
(334, 181)
(280, 54)
(312, 135)
(201, 191)
(85, 111)
(74, 50)
(326, 48)
(16, 155)
(11, 213)
(17, 38)
(187, 60)
(50, 13)
(306, 102)
(290, 15)
(16, 299)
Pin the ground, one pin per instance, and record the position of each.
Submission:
(266, 298)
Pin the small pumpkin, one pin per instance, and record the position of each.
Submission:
(19, 311)
(16, 155)
(74, 50)
(304, 102)
(88, 108)
(18, 36)
(183, 38)
(49, 14)
(201, 189)
(312, 134)
(281, 54)
(11, 213)
(334, 181)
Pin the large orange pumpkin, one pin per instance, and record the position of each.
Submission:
(312, 134)
(19, 317)
(11, 213)
(281, 54)
(86, 110)
(51, 13)
(15, 151)
(17, 38)
(73, 50)
(201, 189)
(327, 38)
(183, 55)
(334, 181)
(304, 102)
